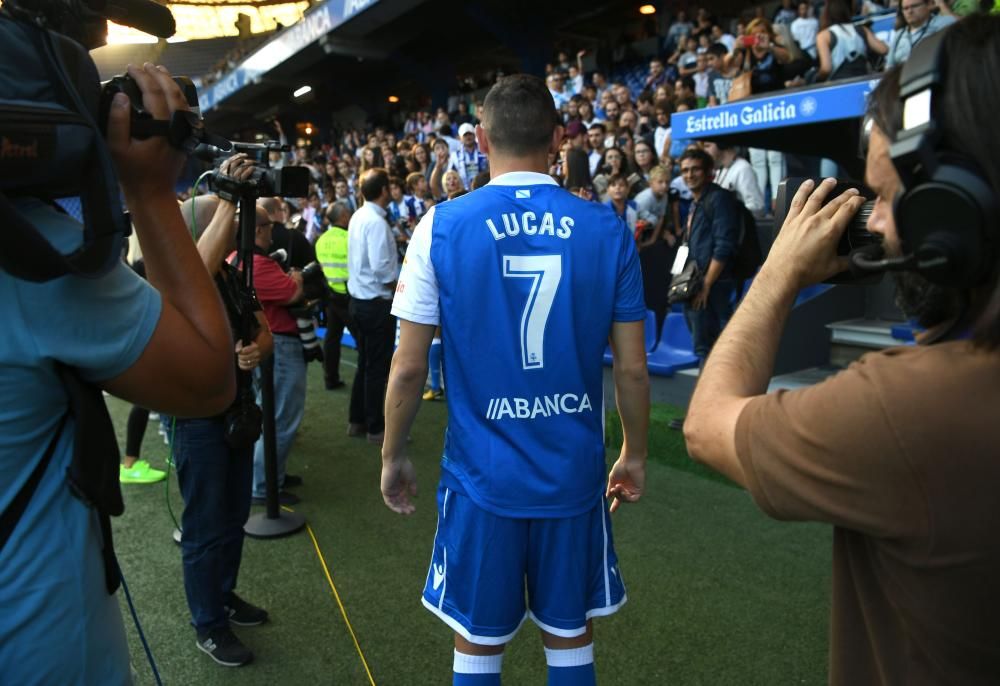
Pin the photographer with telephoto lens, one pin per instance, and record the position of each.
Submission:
(214, 454)
(899, 451)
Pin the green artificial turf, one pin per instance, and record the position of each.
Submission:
(666, 446)
(718, 594)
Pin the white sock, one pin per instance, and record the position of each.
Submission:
(478, 664)
(573, 657)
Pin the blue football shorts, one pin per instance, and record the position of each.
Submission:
(489, 573)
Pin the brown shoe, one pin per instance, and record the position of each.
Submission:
(377, 439)
(356, 430)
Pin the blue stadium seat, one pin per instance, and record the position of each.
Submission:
(649, 335)
(346, 340)
(73, 207)
(674, 351)
(905, 333)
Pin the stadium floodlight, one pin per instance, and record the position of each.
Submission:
(302, 91)
(647, 9)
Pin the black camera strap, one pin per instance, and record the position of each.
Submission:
(12, 515)
(92, 475)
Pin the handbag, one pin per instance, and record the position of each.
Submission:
(741, 87)
(685, 285)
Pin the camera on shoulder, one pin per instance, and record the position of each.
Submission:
(857, 239)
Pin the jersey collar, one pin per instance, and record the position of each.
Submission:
(523, 178)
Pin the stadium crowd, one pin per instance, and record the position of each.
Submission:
(618, 146)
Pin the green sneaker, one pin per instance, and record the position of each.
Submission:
(140, 473)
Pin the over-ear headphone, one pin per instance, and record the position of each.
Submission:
(947, 215)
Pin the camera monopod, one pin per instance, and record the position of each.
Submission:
(273, 522)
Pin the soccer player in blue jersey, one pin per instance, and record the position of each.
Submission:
(528, 282)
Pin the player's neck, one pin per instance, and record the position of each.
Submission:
(504, 165)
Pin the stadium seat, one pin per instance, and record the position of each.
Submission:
(810, 292)
(905, 333)
(674, 351)
(346, 340)
(649, 334)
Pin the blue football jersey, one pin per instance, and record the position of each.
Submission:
(525, 280)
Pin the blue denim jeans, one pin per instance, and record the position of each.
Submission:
(706, 324)
(215, 484)
(289, 406)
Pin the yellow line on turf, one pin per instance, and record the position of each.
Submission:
(340, 604)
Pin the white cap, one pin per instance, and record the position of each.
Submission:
(466, 128)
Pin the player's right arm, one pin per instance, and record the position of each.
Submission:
(192, 346)
(402, 400)
(416, 304)
(628, 475)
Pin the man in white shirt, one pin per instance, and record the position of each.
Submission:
(804, 29)
(555, 82)
(575, 81)
(468, 161)
(373, 266)
(735, 174)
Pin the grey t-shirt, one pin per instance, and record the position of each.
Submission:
(649, 207)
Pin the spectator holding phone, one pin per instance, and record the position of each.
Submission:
(759, 51)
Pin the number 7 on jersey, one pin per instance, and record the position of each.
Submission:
(545, 271)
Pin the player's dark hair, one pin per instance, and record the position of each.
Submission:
(373, 182)
(519, 115)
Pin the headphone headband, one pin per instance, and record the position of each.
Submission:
(947, 211)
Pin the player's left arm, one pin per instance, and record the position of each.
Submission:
(402, 400)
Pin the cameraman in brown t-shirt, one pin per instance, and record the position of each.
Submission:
(901, 451)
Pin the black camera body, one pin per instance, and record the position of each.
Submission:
(265, 181)
(184, 130)
(856, 239)
(314, 285)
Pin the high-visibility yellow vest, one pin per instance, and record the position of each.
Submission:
(331, 251)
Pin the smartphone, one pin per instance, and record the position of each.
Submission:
(748, 41)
